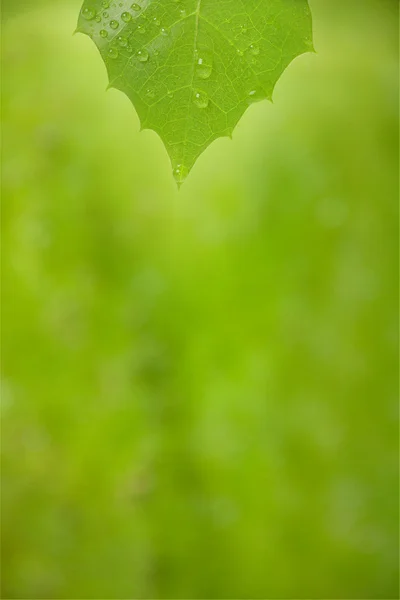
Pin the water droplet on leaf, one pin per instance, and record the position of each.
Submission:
(103, 33)
(200, 99)
(122, 41)
(254, 49)
(114, 24)
(136, 7)
(112, 52)
(88, 13)
(142, 55)
(256, 96)
(180, 173)
(126, 17)
(203, 68)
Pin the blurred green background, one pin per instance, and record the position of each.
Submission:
(199, 389)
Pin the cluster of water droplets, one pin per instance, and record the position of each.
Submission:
(241, 41)
(203, 59)
(125, 17)
(248, 51)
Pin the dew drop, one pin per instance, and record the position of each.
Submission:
(200, 99)
(114, 24)
(129, 49)
(180, 173)
(112, 52)
(239, 52)
(141, 29)
(88, 13)
(126, 17)
(170, 94)
(105, 4)
(254, 49)
(136, 7)
(156, 21)
(122, 41)
(103, 33)
(105, 14)
(142, 55)
(97, 18)
(256, 96)
(203, 68)
(164, 31)
(150, 93)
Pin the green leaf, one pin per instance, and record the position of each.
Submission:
(192, 67)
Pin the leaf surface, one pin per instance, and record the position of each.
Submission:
(192, 67)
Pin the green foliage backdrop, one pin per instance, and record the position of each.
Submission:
(199, 389)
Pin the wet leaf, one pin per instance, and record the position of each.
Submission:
(192, 67)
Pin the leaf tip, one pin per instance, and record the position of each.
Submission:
(309, 46)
